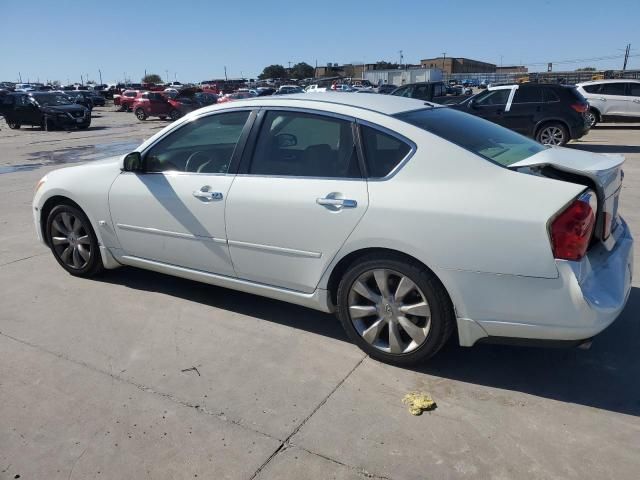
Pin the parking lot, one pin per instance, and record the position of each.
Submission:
(139, 375)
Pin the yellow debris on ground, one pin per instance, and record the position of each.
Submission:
(418, 402)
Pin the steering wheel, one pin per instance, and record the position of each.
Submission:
(194, 155)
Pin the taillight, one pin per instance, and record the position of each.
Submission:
(580, 107)
(571, 230)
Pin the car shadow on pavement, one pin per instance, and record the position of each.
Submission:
(603, 148)
(616, 127)
(256, 306)
(605, 376)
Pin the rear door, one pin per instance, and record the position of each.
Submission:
(633, 99)
(525, 109)
(296, 199)
(613, 97)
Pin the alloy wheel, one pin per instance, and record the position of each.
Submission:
(140, 114)
(552, 135)
(70, 240)
(591, 118)
(389, 311)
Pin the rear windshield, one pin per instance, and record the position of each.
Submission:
(475, 134)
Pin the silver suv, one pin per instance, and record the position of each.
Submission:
(611, 98)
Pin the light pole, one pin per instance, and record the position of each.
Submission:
(166, 76)
(100, 74)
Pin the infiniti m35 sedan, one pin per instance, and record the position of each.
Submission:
(413, 222)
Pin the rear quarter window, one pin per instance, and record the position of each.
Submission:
(383, 152)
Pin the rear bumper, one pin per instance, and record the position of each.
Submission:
(584, 299)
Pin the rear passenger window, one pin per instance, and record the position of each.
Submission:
(305, 145)
(528, 95)
(634, 89)
(549, 95)
(613, 89)
(382, 151)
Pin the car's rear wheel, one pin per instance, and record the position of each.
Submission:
(13, 125)
(72, 241)
(593, 117)
(553, 134)
(394, 309)
(174, 114)
(141, 114)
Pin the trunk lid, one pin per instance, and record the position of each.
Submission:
(603, 172)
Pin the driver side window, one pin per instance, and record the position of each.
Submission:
(205, 145)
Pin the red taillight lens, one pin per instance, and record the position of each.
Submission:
(580, 107)
(571, 230)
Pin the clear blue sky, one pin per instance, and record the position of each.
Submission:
(59, 40)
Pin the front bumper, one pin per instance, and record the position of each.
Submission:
(585, 298)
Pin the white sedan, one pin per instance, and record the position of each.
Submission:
(413, 222)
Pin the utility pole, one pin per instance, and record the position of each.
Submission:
(81, 80)
(100, 74)
(166, 76)
(444, 56)
(225, 73)
(20, 77)
(626, 56)
(401, 58)
(315, 72)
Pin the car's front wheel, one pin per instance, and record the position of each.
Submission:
(394, 309)
(553, 134)
(174, 114)
(72, 241)
(13, 125)
(140, 114)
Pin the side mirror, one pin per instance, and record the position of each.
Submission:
(132, 162)
(286, 140)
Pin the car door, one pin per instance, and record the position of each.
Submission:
(612, 95)
(173, 211)
(297, 197)
(633, 99)
(525, 110)
(491, 104)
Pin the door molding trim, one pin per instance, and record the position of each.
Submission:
(167, 233)
(271, 248)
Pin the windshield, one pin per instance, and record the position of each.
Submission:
(477, 135)
(51, 99)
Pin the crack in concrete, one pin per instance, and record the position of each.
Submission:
(282, 447)
(25, 258)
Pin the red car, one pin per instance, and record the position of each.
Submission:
(156, 104)
(230, 97)
(125, 101)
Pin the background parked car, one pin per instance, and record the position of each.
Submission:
(125, 101)
(611, 98)
(386, 89)
(81, 97)
(287, 89)
(43, 109)
(552, 114)
(428, 91)
(230, 97)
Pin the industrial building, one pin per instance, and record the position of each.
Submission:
(451, 65)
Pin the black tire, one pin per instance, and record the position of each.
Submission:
(163, 117)
(553, 133)
(13, 125)
(84, 126)
(140, 114)
(90, 267)
(442, 317)
(174, 114)
(593, 116)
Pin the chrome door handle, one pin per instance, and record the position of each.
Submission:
(207, 195)
(337, 202)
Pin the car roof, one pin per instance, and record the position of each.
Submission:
(610, 80)
(384, 104)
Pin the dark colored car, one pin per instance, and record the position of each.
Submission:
(428, 91)
(43, 109)
(550, 113)
(97, 99)
(265, 91)
(386, 89)
(81, 97)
